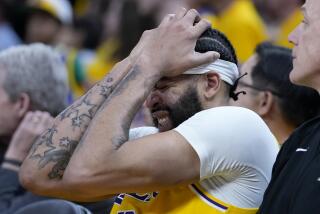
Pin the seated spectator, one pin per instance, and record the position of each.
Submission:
(269, 92)
(33, 89)
(32, 79)
(46, 17)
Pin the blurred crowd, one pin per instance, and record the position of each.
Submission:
(93, 35)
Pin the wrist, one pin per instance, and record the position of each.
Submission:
(11, 164)
(15, 155)
(10, 167)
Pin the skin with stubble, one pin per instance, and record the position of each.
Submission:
(167, 116)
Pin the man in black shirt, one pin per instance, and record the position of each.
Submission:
(295, 183)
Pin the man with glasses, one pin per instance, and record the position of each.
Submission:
(269, 92)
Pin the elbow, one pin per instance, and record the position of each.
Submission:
(33, 183)
(27, 179)
(78, 182)
(85, 185)
(68, 188)
(38, 182)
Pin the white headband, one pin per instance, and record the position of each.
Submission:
(227, 71)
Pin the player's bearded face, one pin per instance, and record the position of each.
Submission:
(167, 117)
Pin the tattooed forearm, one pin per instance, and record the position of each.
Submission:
(81, 112)
(117, 141)
(60, 158)
(54, 148)
(135, 71)
(120, 137)
(85, 108)
(106, 89)
(43, 144)
(45, 151)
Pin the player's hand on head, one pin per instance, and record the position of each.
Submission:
(170, 48)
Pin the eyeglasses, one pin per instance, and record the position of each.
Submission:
(259, 88)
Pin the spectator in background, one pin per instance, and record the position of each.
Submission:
(32, 79)
(281, 17)
(124, 22)
(241, 23)
(269, 92)
(46, 17)
(33, 87)
(78, 43)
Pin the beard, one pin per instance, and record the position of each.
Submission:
(185, 107)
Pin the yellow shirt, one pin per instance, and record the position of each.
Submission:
(180, 200)
(242, 25)
(103, 63)
(287, 26)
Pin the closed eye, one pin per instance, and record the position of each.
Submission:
(163, 85)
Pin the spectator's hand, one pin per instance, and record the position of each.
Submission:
(169, 49)
(33, 124)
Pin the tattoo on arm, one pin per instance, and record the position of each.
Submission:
(45, 151)
(119, 138)
(60, 157)
(79, 114)
(43, 145)
(84, 103)
(106, 89)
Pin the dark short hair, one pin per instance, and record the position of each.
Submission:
(214, 40)
(297, 103)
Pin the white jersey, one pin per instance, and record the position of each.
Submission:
(236, 151)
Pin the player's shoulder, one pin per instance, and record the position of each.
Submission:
(234, 118)
(233, 112)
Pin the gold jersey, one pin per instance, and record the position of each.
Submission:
(185, 200)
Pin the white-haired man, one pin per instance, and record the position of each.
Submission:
(33, 88)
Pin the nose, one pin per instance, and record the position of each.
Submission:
(294, 35)
(153, 100)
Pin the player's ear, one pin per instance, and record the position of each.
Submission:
(266, 101)
(211, 85)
